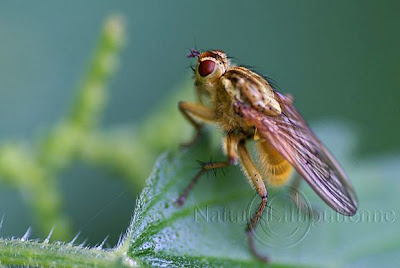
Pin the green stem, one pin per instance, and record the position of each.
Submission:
(92, 94)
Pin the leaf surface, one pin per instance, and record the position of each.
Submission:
(208, 230)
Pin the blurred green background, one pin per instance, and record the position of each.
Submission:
(340, 60)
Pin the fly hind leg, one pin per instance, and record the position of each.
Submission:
(302, 206)
(255, 178)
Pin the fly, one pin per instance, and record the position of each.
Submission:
(245, 106)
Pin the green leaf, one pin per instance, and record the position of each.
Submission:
(208, 230)
(21, 253)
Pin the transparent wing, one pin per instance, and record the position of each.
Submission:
(292, 137)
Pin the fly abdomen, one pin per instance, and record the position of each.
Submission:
(275, 168)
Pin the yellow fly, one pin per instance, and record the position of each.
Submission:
(245, 106)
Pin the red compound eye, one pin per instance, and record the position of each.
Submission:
(206, 67)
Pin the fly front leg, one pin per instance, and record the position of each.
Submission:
(256, 180)
(230, 144)
(192, 111)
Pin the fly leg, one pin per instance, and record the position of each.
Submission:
(301, 205)
(191, 111)
(230, 144)
(256, 179)
(294, 191)
(205, 167)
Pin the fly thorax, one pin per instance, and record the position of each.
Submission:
(253, 92)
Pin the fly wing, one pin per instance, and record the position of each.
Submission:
(291, 136)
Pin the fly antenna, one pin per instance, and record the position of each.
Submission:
(193, 52)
